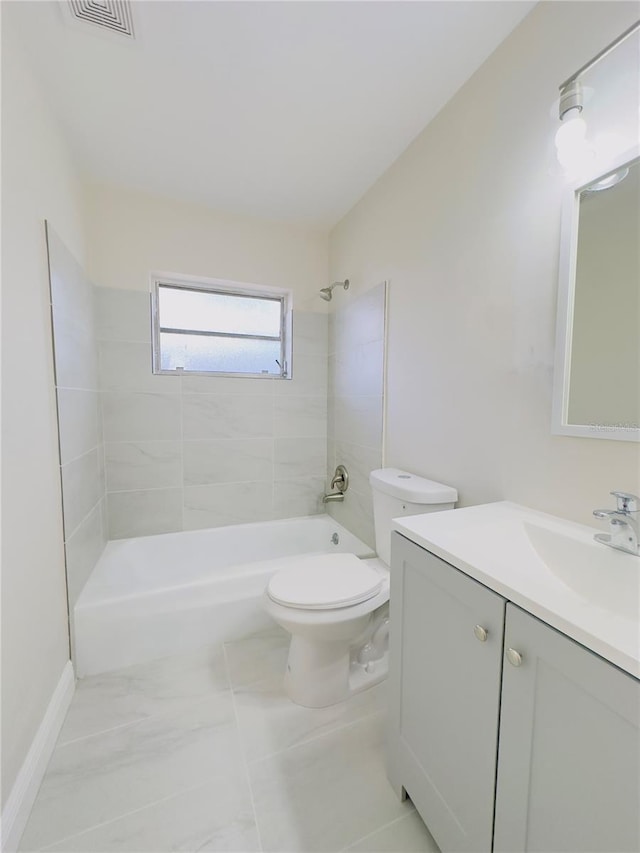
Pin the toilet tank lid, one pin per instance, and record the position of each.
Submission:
(411, 488)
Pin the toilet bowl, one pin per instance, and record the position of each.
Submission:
(327, 602)
(335, 606)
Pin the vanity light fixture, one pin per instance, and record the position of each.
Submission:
(610, 181)
(574, 150)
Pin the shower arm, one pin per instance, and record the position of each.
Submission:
(327, 292)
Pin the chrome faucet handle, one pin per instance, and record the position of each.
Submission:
(340, 479)
(605, 513)
(626, 502)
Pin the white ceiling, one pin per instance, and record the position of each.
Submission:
(286, 110)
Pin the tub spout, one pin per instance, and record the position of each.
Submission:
(332, 496)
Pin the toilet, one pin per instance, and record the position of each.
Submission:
(335, 606)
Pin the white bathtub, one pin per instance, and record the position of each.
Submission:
(159, 595)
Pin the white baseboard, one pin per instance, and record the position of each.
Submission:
(23, 794)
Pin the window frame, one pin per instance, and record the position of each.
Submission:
(225, 288)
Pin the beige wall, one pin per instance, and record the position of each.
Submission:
(38, 183)
(465, 226)
(131, 233)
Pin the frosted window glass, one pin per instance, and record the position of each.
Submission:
(224, 355)
(218, 312)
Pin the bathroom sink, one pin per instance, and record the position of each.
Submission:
(551, 567)
(598, 574)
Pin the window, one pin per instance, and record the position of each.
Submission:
(218, 327)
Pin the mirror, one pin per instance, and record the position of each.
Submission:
(597, 369)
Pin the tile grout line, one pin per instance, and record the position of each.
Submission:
(306, 741)
(137, 722)
(379, 829)
(128, 814)
(245, 763)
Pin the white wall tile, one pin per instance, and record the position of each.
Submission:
(359, 462)
(356, 514)
(220, 416)
(227, 503)
(128, 366)
(228, 385)
(82, 551)
(216, 437)
(331, 460)
(295, 458)
(361, 321)
(300, 416)
(72, 294)
(309, 376)
(143, 465)
(293, 498)
(123, 315)
(81, 489)
(355, 411)
(79, 422)
(359, 420)
(76, 358)
(310, 333)
(359, 370)
(228, 461)
(142, 513)
(133, 416)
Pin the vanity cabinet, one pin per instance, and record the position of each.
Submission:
(569, 751)
(506, 734)
(445, 669)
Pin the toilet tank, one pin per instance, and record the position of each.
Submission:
(397, 493)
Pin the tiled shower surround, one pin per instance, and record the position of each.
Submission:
(356, 404)
(187, 452)
(78, 400)
(143, 454)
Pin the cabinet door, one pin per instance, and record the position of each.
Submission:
(445, 695)
(569, 756)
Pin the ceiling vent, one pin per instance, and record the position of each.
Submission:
(112, 16)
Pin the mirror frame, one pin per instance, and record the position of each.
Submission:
(564, 322)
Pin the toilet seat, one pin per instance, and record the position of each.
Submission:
(325, 582)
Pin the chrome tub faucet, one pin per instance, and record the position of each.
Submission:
(623, 523)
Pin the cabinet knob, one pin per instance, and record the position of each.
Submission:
(514, 657)
(481, 633)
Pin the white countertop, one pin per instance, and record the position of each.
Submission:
(548, 566)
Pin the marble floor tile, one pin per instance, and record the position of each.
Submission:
(96, 779)
(406, 835)
(104, 702)
(270, 722)
(217, 816)
(257, 657)
(326, 794)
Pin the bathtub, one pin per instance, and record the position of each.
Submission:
(160, 595)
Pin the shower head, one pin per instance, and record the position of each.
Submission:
(326, 292)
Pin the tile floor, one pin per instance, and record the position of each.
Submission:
(203, 752)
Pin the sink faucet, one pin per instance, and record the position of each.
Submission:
(623, 523)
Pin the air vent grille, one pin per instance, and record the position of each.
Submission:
(111, 15)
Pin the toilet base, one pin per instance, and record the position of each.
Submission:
(322, 674)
